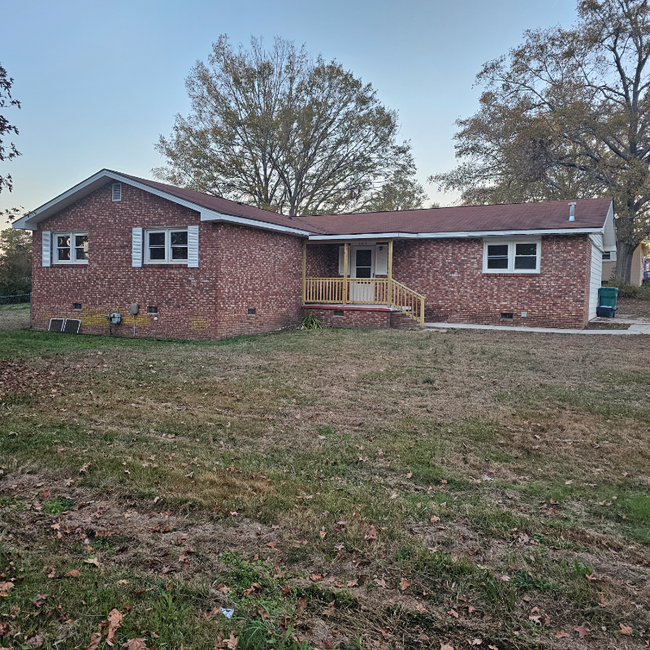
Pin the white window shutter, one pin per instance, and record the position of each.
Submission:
(381, 259)
(136, 247)
(193, 246)
(341, 260)
(46, 257)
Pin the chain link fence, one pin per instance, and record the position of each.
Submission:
(15, 311)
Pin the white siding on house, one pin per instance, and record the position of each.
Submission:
(595, 280)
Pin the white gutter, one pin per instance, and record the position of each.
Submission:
(457, 235)
(209, 215)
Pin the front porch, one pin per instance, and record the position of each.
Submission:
(365, 278)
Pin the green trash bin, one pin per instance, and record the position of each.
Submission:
(607, 297)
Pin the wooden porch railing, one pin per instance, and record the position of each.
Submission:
(366, 291)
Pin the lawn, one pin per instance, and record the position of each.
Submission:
(336, 489)
(14, 316)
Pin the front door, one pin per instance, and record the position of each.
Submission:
(363, 268)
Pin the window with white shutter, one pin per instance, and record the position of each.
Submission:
(136, 247)
(193, 246)
(46, 239)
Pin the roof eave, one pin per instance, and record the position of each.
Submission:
(31, 220)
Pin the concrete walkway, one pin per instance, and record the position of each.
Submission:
(635, 328)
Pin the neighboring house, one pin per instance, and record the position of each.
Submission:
(641, 254)
(203, 267)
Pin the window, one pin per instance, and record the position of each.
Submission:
(514, 256)
(71, 248)
(251, 312)
(117, 191)
(607, 256)
(152, 309)
(166, 246)
(76, 305)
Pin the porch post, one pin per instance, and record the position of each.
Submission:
(390, 273)
(346, 257)
(304, 271)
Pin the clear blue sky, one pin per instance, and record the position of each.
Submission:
(99, 82)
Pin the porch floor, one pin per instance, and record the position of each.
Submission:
(348, 305)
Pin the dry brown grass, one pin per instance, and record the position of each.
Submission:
(508, 454)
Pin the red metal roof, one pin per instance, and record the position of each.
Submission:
(545, 215)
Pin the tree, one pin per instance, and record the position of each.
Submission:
(284, 132)
(567, 115)
(15, 262)
(7, 152)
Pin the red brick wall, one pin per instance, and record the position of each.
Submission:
(448, 272)
(323, 260)
(239, 268)
(352, 317)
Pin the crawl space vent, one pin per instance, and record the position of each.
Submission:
(71, 326)
(56, 325)
(64, 325)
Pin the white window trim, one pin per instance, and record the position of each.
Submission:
(511, 242)
(55, 249)
(168, 246)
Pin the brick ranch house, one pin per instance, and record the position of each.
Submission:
(203, 267)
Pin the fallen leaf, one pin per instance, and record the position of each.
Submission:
(329, 610)
(453, 612)
(380, 582)
(386, 634)
(92, 560)
(302, 603)
(476, 641)
(5, 587)
(272, 544)
(52, 573)
(35, 642)
(94, 641)
(420, 607)
(603, 601)
(73, 574)
(122, 582)
(625, 630)
(322, 534)
(114, 623)
(353, 583)
(446, 646)
(135, 644)
(315, 577)
(435, 519)
(404, 584)
(409, 475)
(231, 643)
(372, 534)
(423, 638)
(582, 631)
(40, 599)
(562, 635)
